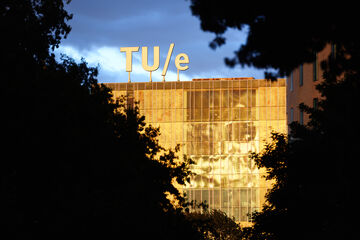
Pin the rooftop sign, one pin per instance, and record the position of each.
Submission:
(181, 60)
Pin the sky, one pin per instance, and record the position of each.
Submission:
(101, 28)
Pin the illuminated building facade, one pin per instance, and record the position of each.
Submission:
(217, 122)
(301, 87)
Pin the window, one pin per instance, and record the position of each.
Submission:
(315, 68)
(291, 115)
(301, 75)
(333, 50)
(291, 82)
(301, 120)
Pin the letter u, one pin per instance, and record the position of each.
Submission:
(144, 54)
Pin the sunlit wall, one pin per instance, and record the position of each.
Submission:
(217, 122)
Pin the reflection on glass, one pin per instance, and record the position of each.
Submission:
(217, 123)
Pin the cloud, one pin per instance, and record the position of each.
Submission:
(100, 28)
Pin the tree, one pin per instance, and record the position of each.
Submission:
(98, 171)
(150, 182)
(280, 36)
(74, 160)
(313, 170)
(215, 224)
(30, 28)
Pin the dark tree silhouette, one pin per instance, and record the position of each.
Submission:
(215, 224)
(281, 36)
(314, 169)
(75, 163)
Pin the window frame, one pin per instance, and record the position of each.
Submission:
(301, 75)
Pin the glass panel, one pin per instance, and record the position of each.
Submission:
(274, 96)
(217, 181)
(159, 98)
(243, 98)
(197, 116)
(274, 113)
(205, 116)
(263, 113)
(178, 99)
(236, 197)
(205, 128)
(178, 115)
(217, 199)
(197, 180)
(224, 98)
(166, 115)
(235, 98)
(282, 97)
(211, 132)
(205, 149)
(148, 116)
(244, 214)
(282, 113)
(148, 99)
(253, 114)
(224, 180)
(235, 114)
(205, 99)
(215, 114)
(226, 132)
(243, 198)
(160, 115)
(188, 100)
(198, 148)
(198, 196)
(230, 201)
(249, 198)
(217, 148)
(216, 99)
(205, 180)
(205, 164)
(225, 114)
(236, 214)
(244, 180)
(254, 197)
(244, 114)
(197, 99)
(252, 98)
(236, 164)
(190, 114)
(224, 199)
(205, 196)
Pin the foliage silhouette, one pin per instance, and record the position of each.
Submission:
(314, 169)
(215, 224)
(280, 36)
(75, 162)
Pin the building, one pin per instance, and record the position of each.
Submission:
(301, 87)
(217, 122)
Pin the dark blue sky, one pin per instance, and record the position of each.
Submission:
(100, 28)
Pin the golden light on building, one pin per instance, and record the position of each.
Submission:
(217, 122)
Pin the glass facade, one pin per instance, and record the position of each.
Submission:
(217, 122)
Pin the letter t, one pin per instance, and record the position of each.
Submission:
(128, 51)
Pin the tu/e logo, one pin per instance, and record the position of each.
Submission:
(181, 60)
